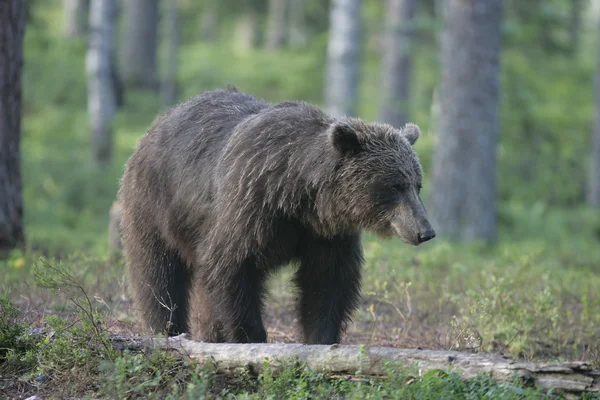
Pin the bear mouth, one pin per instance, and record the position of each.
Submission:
(402, 235)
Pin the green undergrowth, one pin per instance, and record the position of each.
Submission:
(530, 296)
(533, 296)
(73, 356)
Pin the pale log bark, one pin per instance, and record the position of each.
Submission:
(572, 377)
(102, 102)
(343, 57)
(140, 43)
(463, 201)
(396, 73)
(12, 31)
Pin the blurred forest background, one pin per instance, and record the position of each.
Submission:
(507, 94)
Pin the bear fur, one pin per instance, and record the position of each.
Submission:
(224, 189)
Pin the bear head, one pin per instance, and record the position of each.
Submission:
(378, 179)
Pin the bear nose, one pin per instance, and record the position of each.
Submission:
(427, 235)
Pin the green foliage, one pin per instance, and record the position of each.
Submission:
(545, 119)
(534, 295)
(153, 375)
(296, 382)
(283, 75)
(543, 154)
(10, 328)
(524, 296)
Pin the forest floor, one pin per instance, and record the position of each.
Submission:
(531, 300)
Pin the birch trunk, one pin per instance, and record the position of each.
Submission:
(276, 24)
(100, 78)
(247, 31)
(575, 24)
(297, 36)
(594, 182)
(75, 14)
(343, 57)
(209, 20)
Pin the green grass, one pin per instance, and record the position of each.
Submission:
(75, 359)
(534, 295)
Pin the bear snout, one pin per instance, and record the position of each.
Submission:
(410, 232)
(427, 235)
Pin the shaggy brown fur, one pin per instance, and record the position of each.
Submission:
(225, 188)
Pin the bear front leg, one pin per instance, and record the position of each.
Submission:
(203, 323)
(329, 279)
(238, 301)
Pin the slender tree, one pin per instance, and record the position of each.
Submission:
(276, 24)
(140, 43)
(575, 24)
(75, 14)
(169, 83)
(247, 27)
(397, 61)
(297, 35)
(594, 183)
(209, 20)
(12, 30)
(463, 203)
(343, 53)
(102, 96)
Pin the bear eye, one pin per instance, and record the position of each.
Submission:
(399, 187)
(419, 189)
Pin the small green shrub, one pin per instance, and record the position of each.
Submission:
(153, 375)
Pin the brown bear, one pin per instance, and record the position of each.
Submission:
(224, 189)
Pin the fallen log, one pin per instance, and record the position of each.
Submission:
(574, 378)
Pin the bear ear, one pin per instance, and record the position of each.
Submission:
(411, 132)
(344, 139)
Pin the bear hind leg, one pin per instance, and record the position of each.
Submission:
(161, 283)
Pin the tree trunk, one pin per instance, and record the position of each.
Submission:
(12, 31)
(140, 43)
(169, 84)
(209, 20)
(276, 24)
(297, 35)
(397, 61)
(594, 184)
(102, 101)
(576, 377)
(247, 31)
(75, 17)
(463, 203)
(343, 57)
(575, 24)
